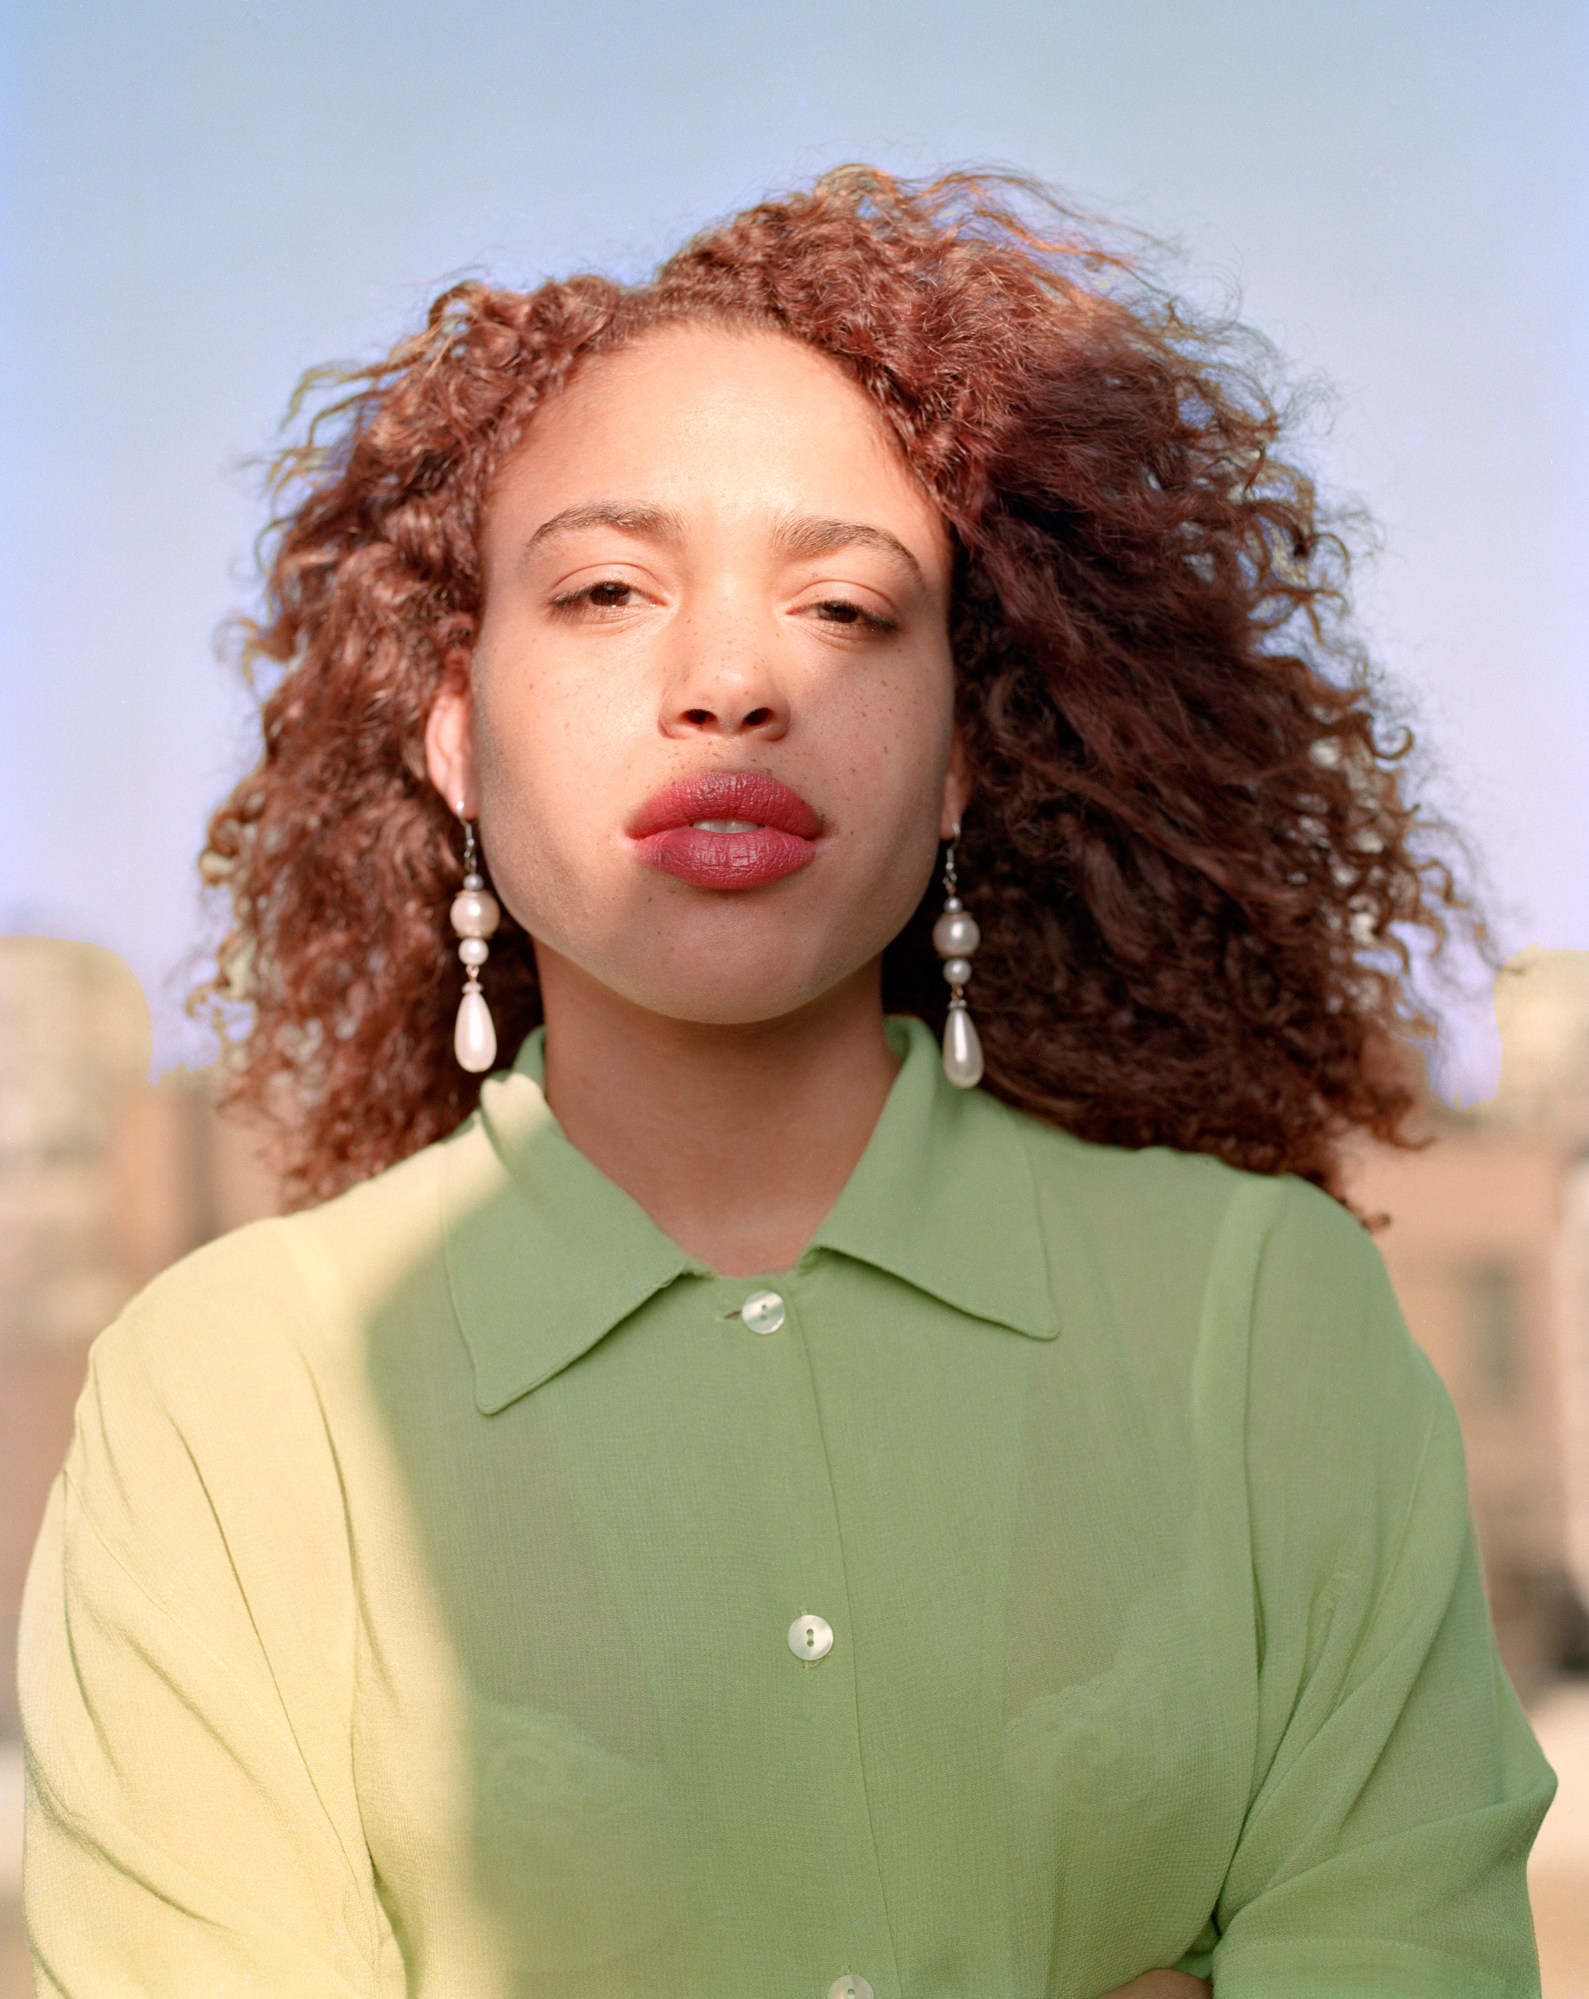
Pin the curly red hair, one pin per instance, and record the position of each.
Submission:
(1188, 847)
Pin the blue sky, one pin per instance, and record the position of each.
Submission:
(204, 197)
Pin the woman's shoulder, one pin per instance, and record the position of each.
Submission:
(1266, 1264)
(1130, 1199)
(1265, 1279)
(285, 1289)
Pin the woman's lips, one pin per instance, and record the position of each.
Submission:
(780, 840)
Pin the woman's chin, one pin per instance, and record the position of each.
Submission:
(725, 996)
(718, 975)
(757, 1006)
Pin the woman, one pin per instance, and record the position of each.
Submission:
(737, 1502)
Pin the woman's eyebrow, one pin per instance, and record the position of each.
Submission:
(815, 535)
(652, 523)
(801, 535)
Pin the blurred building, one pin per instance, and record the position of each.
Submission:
(1488, 1248)
(104, 1179)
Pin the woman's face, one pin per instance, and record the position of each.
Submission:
(708, 566)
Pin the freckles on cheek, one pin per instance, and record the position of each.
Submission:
(867, 726)
(892, 733)
(513, 699)
(551, 743)
(495, 741)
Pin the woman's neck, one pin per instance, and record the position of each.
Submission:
(736, 1140)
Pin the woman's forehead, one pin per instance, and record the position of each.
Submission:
(693, 416)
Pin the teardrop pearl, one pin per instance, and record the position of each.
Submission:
(474, 1039)
(962, 1050)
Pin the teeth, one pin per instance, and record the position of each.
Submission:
(724, 825)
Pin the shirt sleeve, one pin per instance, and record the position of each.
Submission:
(1398, 1786)
(188, 1825)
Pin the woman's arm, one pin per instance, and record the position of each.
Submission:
(1398, 1787)
(190, 1825)
(1162, 1985)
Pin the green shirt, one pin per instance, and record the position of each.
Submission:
(459, 1590)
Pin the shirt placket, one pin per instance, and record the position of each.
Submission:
(851, 1950)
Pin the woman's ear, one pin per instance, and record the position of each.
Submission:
(449, 738)
(956, 787)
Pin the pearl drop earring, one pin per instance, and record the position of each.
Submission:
(475, 915)
(954, 937)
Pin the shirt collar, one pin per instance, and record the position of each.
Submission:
(545, 1254)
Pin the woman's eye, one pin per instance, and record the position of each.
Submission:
(608, 595)
(840, 611)
(611, 593)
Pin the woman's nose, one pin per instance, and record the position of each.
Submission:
(728, 689)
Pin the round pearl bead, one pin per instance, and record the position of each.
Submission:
(955, 936)
(475, 913)
(957, 970)
(474, 951)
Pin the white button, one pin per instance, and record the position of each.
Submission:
(850, 1986)
(762, 1311)
(811, 1638)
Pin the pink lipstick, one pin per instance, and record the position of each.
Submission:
(727, 829)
